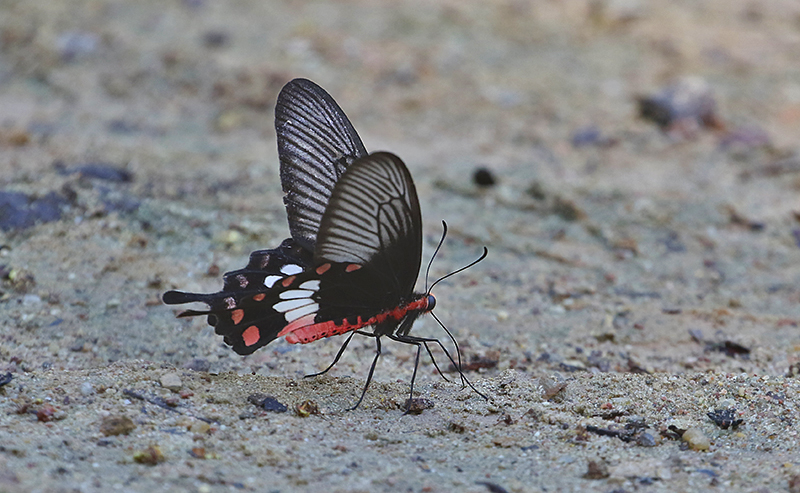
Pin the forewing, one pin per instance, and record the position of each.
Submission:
(316, 143)
(373, 220)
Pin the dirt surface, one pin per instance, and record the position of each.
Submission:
(639, 276)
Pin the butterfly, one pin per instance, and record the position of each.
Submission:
(355, 249)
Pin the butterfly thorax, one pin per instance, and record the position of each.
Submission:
(399, 320)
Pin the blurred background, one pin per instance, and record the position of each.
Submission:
(631, 165)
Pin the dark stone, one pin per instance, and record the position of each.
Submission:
(267, 403)
(483, 177)
(20, 211)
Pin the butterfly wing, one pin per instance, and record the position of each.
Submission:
(253, 307)
(373, 224)
(316, 143)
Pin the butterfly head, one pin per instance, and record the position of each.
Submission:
(430, 302)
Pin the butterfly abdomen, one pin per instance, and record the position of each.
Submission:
(304, 331)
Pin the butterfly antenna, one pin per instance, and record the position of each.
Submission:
(428, 290)
(483, 256)
(428, 270)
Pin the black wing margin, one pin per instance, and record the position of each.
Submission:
(316, 143)
(373, 219)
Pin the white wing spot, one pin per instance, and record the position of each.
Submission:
(291, 269)
(295, 293)
(312, 285)
(293, 315)
(285, 306)
(242, 281)
(270, 281)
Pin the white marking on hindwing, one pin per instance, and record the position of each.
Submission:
(291, 269)
(312, 285)
(285, 306)
(293, 315)
(270, 281)
(295, 293)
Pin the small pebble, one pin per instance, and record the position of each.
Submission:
(696, 439)
(6, 379)
(200, 427)
(151, 456)
(483, 177)
(596, 470)
(104, 171)
(646, 440)
(215, 39)
(171, 381)
(267, 403)
(198, 364)
(685, 105)
(76, 44)
(794, 484)
(567, 209)
(46, 413)
(726, 417)
(21, 211)
(306, 409)
(31, 299)
(87, 388)
(417, 405)
(116, 425)
(198, 452)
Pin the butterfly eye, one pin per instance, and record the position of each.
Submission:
(431, 303)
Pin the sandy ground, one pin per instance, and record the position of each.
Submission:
(638, 279)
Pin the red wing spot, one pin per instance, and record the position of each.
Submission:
(251, 335)
(288, 281)
(259, 297)
(323, 269)
(237, 316)
(352, 267)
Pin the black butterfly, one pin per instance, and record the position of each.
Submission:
(355, 250)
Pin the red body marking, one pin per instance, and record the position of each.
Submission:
(237, 316)
(304, 330)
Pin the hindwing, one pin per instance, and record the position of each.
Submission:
(253, 306)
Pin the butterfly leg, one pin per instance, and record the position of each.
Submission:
(421, 340)
(455, 343)
(427, 348)
(371, 368)
(336, 359)
(433, 360)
